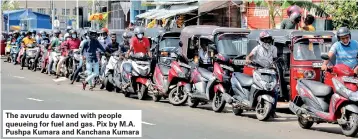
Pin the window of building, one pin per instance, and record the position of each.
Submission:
(63, 11)
(49, 11)
(55, 11)
(41, 10)
(67, 11)
(74, 12)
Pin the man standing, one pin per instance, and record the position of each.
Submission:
(89, 53)
(345, 50)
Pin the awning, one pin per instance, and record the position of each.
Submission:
(177, 10)
(173, 2)
(150, 13)
(212, 5)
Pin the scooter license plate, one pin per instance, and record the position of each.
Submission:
(142, 62)
(239, 62)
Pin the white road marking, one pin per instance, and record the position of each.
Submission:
(147, 123)
(60, 79)
(19, 77)
(34, 99)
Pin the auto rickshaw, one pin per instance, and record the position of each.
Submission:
(211, 79)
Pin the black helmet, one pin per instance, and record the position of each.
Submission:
(296, 16)
(343, 31)
(139, 30)
(92, 33)
(28, 32)
(33, 32)
(23, 33)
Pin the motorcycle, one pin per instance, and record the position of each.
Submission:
(319, 103)
(172, 80)
(257, 92)
(109, 77)
(135, 75)
(13, 51)
(74, 62)
(30, 57)
(8, 51)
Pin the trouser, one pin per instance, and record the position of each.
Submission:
(23, 59)
(60, 63)
(38, 54)
(52, 61)
(78, 70)
(92, 66)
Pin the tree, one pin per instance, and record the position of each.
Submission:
(343, 13)
(9, 5)
(283, 4)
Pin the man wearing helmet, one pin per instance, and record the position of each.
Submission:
(265, 50)
(67, 47)
(54, 44)
(103, 38)
(345, 50)
(89, 53)
(139, 43)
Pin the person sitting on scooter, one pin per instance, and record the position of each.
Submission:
(67, 47)
(44, 41)
(124, 45)
(54, 44)
(28, 40)
(103, 38)
(89, 53)
(265, 50)
(139, 43)
(80, 65)
(345, 50)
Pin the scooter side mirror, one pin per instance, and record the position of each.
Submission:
(325, 57)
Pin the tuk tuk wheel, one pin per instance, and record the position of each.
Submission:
(141, 91)
(126, 94)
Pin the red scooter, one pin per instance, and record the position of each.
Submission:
(318, 102)
(172, 80)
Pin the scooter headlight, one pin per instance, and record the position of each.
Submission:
(344, 90)
(353, 96)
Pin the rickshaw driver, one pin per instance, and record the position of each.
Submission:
(345, 50)
(265, 50)
(204, 55)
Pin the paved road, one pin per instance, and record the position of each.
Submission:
(27, 90)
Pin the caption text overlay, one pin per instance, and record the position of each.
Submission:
(72, 123)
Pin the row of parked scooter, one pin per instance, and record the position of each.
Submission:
(174, 73)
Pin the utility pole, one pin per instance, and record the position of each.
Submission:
(26, 4)
(78, 16)
(66, 14)
(93, 11)
(53, 13)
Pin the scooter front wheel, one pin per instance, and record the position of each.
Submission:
(304, 123)
(351, 128)
(218, 103)
(264, 110)
(141, 91)
(177, 96)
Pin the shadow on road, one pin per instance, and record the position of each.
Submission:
(333, 130)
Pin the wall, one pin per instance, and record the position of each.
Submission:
(137, 8)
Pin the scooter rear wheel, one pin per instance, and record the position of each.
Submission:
(351, 129)
(193, 103)
(304, 123)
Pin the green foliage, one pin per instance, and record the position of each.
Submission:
(6, 5)
(343, 13)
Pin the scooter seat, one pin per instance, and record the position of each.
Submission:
(318, 89)
(244, 79)
(164, 69)
(205, 73)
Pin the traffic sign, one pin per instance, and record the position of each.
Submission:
(56, 23)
